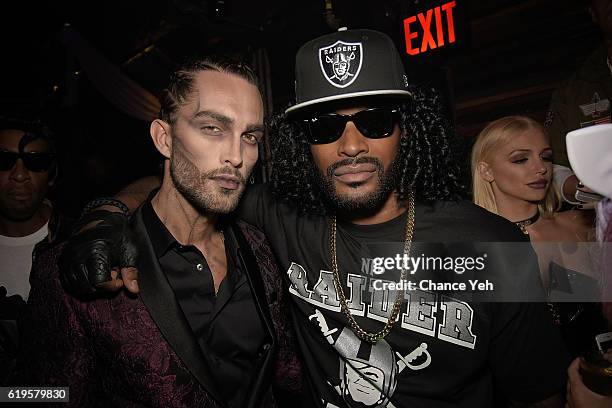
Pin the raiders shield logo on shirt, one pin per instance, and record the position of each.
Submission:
(341, 62)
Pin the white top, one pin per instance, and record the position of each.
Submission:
(16, 261)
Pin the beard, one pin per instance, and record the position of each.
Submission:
(199, 189)
(20, 211)
(367, 202)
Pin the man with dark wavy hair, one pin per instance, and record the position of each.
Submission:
(363, 165)
(208, 328)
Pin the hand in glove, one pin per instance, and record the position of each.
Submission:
(100, 255)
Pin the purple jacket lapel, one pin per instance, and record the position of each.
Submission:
(253, 272)
(158, 297)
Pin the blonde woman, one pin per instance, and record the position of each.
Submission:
(512, 177)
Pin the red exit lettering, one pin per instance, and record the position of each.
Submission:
(425, 20)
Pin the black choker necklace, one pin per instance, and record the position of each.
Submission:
(525, 223)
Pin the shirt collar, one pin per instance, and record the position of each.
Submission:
(161, 239)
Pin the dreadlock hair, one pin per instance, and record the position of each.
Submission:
(181, 84)
(33, 128)
(428, 160)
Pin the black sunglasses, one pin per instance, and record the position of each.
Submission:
(375, 123)
(34, 161)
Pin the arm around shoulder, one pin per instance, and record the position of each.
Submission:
(134, 194)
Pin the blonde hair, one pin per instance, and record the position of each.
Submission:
(488, 140)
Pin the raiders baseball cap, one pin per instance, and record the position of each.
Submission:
(347, 64)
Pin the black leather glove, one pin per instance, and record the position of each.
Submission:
(91, 253)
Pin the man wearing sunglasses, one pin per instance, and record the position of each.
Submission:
(363, 164)
(27, 222)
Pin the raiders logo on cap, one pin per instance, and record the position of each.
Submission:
(341, 62)
(334, 67)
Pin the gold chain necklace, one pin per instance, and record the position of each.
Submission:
(362, 334)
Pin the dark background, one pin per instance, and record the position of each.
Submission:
(508, 58)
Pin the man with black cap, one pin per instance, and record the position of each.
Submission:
(362, 168)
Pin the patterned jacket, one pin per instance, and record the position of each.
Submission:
(132, 351)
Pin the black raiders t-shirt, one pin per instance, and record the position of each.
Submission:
(442, 351)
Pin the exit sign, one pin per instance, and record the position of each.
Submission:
(437, 25)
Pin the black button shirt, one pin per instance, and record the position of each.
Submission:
(228, 326)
